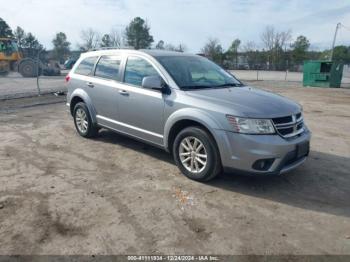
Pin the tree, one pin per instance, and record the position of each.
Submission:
(268, 38)
(249, 46)
(282, 54)
(31, 45)
(27, 42)
(300, 47)
(325, 55)
(61, 46)
(160, 45)
(116, 40)
(170, 47)
(137, 34)
(232, 52)
(181, 48)
(19, 35)
(5, 30)
(282, 39)
(90, 39)
(275, 43)
(106, 41)
(213, 50)
(342, 53)
(251, 52)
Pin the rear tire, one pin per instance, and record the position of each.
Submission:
(29, 68)
(83, 122)
(196, 154)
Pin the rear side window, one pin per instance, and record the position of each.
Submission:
(136, 69)
(86, 66)
(108, 67)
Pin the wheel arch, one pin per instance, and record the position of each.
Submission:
(80, 95)
(180, 120)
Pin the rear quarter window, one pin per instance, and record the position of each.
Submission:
(86, 66)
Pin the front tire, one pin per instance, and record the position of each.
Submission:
(196, 154)
(4, 68)
(83, 122)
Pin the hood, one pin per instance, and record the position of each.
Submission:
(247, 102)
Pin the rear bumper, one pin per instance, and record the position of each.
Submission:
(239, 152)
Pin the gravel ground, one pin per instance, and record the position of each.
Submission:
(62, 194)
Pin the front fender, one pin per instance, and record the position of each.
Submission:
(87, 100)
(192, 114)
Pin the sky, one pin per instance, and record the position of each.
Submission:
(191, 22)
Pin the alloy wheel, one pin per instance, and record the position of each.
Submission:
(81, 120)
(193, 154)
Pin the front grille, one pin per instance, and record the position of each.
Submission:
(281, 120)
(289, 126)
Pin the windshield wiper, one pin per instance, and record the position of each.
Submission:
(211, 86)
(228, 85)
(195, 87)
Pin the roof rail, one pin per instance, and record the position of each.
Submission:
(111, 47)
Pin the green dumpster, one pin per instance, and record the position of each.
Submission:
(322, 73)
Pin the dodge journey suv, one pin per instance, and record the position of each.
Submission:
(189, 106)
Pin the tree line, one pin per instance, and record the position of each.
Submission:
(25, 41)
(135, 35)
(278, 51)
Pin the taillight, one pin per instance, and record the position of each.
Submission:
(67, 78)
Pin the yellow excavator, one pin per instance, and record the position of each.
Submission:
(11, 59)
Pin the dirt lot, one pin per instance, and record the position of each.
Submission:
(62, 194)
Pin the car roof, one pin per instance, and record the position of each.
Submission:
(150, 52)
(157, 52)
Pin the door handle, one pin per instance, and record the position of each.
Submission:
(123, 92)
(89, 84)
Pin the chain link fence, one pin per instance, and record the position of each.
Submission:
(262, 75)
(14, 85)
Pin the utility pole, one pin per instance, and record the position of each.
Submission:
(334, 39)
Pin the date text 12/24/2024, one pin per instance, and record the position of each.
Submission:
(173, 258)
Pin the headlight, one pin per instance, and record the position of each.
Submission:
(251, 126)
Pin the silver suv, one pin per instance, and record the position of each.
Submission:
(190, 107)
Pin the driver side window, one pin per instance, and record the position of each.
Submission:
(136, 69)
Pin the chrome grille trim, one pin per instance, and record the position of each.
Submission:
(293, 125)
(298, 121)
(294, 133)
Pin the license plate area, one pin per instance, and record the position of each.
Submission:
(303, 149)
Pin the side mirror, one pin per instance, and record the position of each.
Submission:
(153, 82)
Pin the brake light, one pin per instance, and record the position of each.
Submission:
(67, 78)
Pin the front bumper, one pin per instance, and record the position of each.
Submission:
(239, 152)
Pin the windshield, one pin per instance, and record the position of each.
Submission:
(195, 72)
(8, 46)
